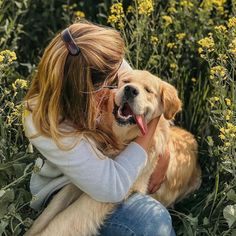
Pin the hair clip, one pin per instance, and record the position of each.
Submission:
(69, 42)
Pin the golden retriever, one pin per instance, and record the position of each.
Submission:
(139, 98)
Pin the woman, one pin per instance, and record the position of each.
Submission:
(62, 124)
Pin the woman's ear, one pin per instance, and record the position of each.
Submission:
(170, 100)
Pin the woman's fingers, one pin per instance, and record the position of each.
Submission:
(159, 174)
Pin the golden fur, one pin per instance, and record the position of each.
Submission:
(72, 212)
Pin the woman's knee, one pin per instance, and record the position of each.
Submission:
(143, 215)
(154, 218)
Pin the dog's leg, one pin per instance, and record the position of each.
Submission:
(60, 201)
(83, 218)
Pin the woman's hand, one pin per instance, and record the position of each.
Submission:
(159, 174)
(146, 140)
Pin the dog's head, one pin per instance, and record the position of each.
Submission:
(140, 97)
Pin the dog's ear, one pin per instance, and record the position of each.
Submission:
(170, 100)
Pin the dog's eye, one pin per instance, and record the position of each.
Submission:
(148, 90)
(126, 81)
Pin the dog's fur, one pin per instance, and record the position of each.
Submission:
(72, 212)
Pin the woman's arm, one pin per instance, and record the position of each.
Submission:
(100, 177)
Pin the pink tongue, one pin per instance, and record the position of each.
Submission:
(141, 123)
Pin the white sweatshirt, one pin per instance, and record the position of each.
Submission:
(104, 179)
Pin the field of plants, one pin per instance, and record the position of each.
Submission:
(189, 43)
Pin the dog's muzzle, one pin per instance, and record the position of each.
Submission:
(130, 93)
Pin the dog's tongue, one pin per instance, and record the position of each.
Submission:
(141, 123)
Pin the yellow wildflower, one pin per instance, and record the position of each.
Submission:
(227, 144)
(171, 10)
(218, 71)
(117, 15)
(171, 45)
(217, 4)
(207, 43)
(222, 57)
(232, 47)
(117, 9)
(200, 50)
(180, 36)
(227, 130)
(228, 101)
(216, 99)
(231, 22)
(154, 40)
(173, 66)
(229, 125)
(130, 9)
(220, 28)
(20, 83)
(10, 55)
(79, 14)
(228, 113)
(186, 3)
(194, 80)
(221, 136)
(112, 19)
(145, 7)
(222, 130)
(1, 58)
(168, 20)
(227, 117)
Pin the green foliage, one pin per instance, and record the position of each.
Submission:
(191, 44)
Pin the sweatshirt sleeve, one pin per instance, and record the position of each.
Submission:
(102, 178)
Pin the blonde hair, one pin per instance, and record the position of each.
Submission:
(62, 79)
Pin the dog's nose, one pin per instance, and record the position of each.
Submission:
(130, 92)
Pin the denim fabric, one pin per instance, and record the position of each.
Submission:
(139, 215)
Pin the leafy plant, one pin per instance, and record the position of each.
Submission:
(191, 44)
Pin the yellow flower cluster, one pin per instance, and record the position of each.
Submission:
(171, 45)
(8, 55)
(232, 47)
(79, 14)
(20, 83)
(221, 28)
(130, 9)
(213, 101)
(217, 4)
(206, 43)
(186, 3)
(173, 66)
(228, 114)
(154, 40)
(171, 10)
(231, 22)
(117, 15)
(228, 101)
(167, 20)
(15, 114)
(227, 132)
(180, 36)
(216, 99)
(222, 58)
(145, 7)
(218, 71)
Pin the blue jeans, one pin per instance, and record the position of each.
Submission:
(139, 215)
